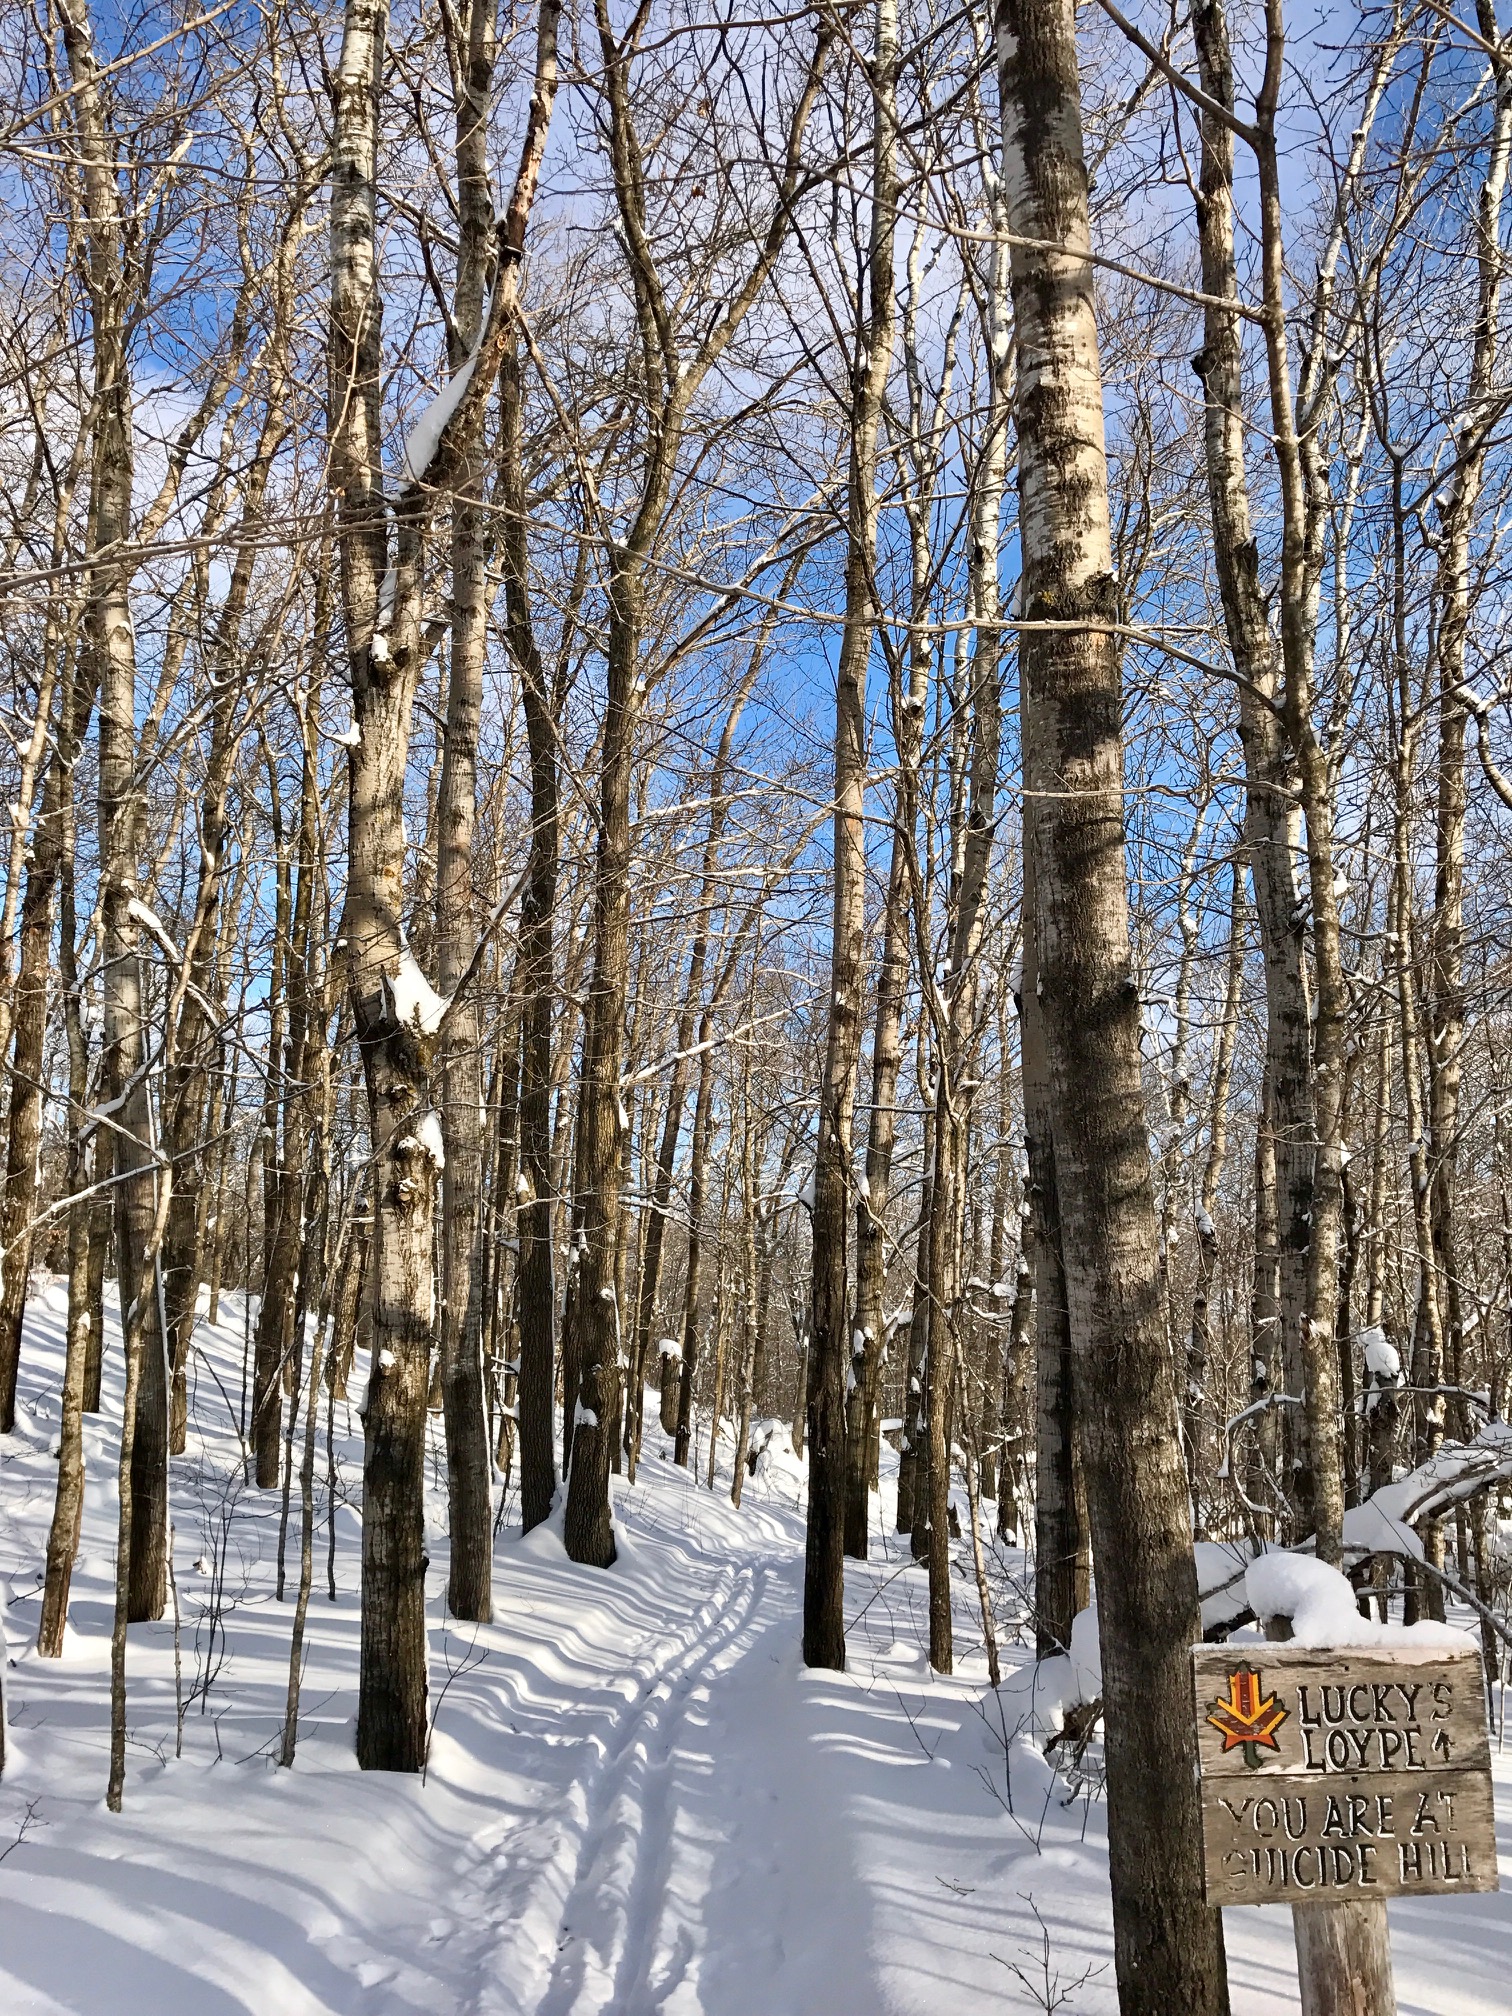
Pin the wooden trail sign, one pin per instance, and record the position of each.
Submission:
(1332, 1777)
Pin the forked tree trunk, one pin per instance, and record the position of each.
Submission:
(392, 1691)
(834, 1180)
(1167, 1943)
(396, 1015)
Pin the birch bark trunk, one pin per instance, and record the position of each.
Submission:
(1167, 1943)
(1200, 1343)
(397, 1016)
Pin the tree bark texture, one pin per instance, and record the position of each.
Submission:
(468, 1477)
(1167, 1943)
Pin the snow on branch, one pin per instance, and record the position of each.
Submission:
(424, 438)
(1458, 1470)
(416, 1003)
(1323, 1606)
(143, 914)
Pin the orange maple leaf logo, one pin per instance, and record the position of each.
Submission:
(1246, 1720)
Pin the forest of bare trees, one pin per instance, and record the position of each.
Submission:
(788, 725)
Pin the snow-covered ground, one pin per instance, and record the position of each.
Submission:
(637, 1798)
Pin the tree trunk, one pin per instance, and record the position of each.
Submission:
(24, 1140)
(536, 974)
(876, 337)
(392, 1692)
(1343, 1959)
(1058, 1537)
(673, 383)
(1200, 1344)
(913, 1457)
(666, 1159)
(1458, 505)
(750, 1268)
(198, 1050)
(1270, 822)
(1167, 1943)
(68, 1505)
(110, 638)
(698, 1172)
(468, 1479)
(834, 1181)
(280, 1231)
(868, 1341)
(396, 1015)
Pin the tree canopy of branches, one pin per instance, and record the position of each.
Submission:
(801, 718)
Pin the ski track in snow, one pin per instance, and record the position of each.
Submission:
(609, 1924)
(638, 1802)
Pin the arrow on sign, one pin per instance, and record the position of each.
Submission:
(1246, 1720)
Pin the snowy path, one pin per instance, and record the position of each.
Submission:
(638, 1803)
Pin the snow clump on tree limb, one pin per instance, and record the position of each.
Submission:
(417, 1005)
(1321, 1605)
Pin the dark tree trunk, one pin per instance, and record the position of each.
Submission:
(537, 1276)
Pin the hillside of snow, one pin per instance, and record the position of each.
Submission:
(637, 1799)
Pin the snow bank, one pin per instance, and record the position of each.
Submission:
(1042, 1693)
(1322, 1607)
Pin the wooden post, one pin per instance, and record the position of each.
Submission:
(1344, 1959)
(1343, 1950)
